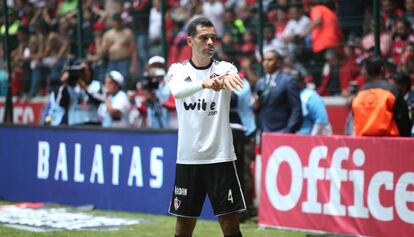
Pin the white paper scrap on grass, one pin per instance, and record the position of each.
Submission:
(60, 219)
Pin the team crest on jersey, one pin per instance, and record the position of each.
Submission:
(177, 203)
(214, 75)
(188, 79)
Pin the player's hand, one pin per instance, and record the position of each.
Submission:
(232, 81)
(214, 83)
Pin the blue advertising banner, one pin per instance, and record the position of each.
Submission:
(111, 169)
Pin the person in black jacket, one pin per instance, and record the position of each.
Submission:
(278, 103)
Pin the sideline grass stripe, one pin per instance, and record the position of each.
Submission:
(163, 226)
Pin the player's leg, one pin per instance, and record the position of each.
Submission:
(187, 198)
(224, 190)
(185, 226)
(229, 224)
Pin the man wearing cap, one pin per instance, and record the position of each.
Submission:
(159, 103)
(79, 95)
(114, 110)
(156, 69)
(118, 46)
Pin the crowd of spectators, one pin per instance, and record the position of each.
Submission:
(323, 42)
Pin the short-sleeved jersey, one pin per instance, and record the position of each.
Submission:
(204, 134)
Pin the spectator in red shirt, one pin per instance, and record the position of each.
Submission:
(325, 33)
(390, 13)
(349, 69)
(279, 18)
(403, 34)
(331, 84)
(27, 12)
(325, 29)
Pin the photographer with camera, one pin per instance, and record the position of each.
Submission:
(79, 95)
(159, 104)
(114, 112)
(157, 114)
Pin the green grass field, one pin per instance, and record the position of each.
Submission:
(162, 226)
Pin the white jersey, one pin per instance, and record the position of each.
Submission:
(204, 133)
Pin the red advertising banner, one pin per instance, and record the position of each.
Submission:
(348, 185)
(25, 112)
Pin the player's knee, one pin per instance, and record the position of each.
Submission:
(185, 226)
(229, 224)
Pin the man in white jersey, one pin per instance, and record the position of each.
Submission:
(202, 90)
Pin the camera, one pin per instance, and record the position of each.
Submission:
(150, 83)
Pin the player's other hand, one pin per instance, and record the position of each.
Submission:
(232, 81)
(213, 83)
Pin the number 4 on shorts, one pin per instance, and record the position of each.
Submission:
(230, 196)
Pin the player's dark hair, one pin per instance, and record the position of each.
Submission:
(199, 21)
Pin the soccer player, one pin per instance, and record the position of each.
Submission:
(202, 89)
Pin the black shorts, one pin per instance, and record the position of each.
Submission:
(219, 181)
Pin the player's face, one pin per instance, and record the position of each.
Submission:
(203, 43)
